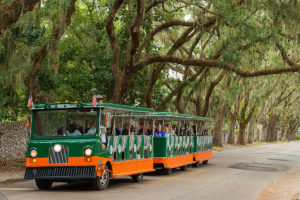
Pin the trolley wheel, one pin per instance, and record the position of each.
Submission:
(205, 162)
(183, 168)
(101, 182)
(43, 184)
(137, 178)
(197, 164)
(167, 171)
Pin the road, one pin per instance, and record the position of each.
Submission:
(241, 173)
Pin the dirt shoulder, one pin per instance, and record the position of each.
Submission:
(286, 187)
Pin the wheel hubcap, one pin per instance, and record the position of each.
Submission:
(104, 178)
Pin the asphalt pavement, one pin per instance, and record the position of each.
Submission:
(238, 173)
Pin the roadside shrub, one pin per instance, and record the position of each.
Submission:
(298, 137)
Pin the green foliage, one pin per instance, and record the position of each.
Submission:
(76, 82)
(298, 137)
(28, 33)
(46, 79)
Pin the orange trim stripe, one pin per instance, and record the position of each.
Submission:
(73, 161)
(175, 161)
(120, 168)
(202, 156)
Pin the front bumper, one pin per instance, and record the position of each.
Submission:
(61, 173)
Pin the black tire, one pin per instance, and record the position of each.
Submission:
(205, 162)
(43, 184)
(137, 178)
(102, 182)
(167, 171)
(183, 168)
(197, 164)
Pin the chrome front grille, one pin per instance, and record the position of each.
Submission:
(60, 172)
(61, 157)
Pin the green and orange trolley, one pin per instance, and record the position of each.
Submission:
(67, 144)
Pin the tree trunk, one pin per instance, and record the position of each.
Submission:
(271, 135)
(121, 90)
(40, 55)
(232, 124)
(150, 85)
(11, 11)
(251, 131)
(31, 81)
(242, 134)
(282, 132)
(217, 140)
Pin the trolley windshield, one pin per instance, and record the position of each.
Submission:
(69, 122)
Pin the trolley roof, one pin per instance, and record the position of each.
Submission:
(106, 107)
(167, 115)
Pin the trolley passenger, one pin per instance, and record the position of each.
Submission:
(72, 130)
(166, 130)
(159, 132)
(205, 132)
(141, 129)
(146, 130)
(125, 131)
(133, 131)
(173, 130)
(186, 131)
(103, 136)
(93, 128)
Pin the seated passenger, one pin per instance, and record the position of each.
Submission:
(72, 130)
(87, 127)
(205, 132)
(141, 129)
(103, 137)
(186, 130)
(194, 131)
(132, 131)
(166, 130)
(173, 130)
(158, 132)
(93, 128)
(147, 130)
(125, 131)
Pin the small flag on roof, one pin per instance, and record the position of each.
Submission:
(30, 102)
(94, 102)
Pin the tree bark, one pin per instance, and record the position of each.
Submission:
(213, 64)
(217, 139)
(209, 92)
(10, 12)
(40, 55)
(251, 131)
(242, 134)
(233, 119)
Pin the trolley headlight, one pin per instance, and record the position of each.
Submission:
(33, 153)
(57, 148)
(88, 152)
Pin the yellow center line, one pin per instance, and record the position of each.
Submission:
(170, 178)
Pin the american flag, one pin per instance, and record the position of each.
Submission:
(94, 102)
(30, 102)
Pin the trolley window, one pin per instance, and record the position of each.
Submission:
(75, 122)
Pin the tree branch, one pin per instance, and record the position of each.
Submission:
(110, 28)
(135, 30)
(209, 92)
(212, 64)
(285, 57)
(153, 4)
(10, 12)
(158, 29)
